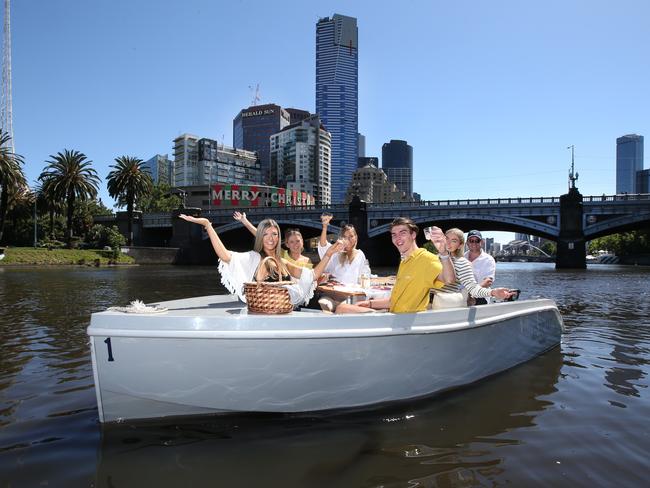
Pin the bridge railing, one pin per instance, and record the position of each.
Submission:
(625, 197)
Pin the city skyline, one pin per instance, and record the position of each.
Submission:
(488, 96)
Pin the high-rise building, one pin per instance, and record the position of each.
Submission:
(186, 158)
(629, 160)
(364, 161)
(161, 169)
(643, 181)
(337, 95)
(296, 115)
(252, 128)
(372, 185)
(397, 163)
(362, 145)
(224, 164)
(300, 159)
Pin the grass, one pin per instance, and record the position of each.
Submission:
(43, 256)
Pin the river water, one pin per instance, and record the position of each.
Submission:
(576, 416)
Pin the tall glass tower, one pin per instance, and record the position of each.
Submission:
(337, 95)
(629, 160)
(397, 163)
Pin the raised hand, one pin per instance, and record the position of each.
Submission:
(239, 216)
(338, 246)
(326, 218)
(437, 237)
(195, 220)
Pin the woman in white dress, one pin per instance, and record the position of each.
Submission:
(347, 265)
(237, 268)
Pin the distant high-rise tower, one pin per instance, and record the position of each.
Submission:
(252, 129)
(397, 163)
(337, 95)
(629, 160)
(6, 116)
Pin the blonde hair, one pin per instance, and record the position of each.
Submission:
(293, 232)
(259, 243)
(458, 253)
(348, 255)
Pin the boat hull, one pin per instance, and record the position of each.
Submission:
(230, 361)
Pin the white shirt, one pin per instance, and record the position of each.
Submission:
(483, 266)
(347, 273)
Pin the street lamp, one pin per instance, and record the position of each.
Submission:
(35, 221)
(210, 188)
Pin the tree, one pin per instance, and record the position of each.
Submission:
(49, 201)
(160, 199)
(128, 183)
(12, 177)
(72, 178)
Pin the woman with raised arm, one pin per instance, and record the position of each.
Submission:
(292, 240)
(237, 268)
(347, 265)
(450, 295)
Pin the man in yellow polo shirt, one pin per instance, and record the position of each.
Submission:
(418, 272)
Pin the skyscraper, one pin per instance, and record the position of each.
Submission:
(161, 169)
(252, 129)
(397, 163)
(629, 160)
(300, 158)
(337, 95)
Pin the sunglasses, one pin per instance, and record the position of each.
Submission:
(474, 241)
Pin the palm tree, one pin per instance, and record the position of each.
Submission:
(11, 175)
(69, 176)
(50, 202)
(128, 183)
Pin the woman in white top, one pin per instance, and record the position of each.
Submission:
(450, 295)
(292, 239)
(346, 266)
(237, 268)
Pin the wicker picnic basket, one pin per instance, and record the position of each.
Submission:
(268, 297)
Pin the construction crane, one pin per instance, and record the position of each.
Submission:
(256, 95)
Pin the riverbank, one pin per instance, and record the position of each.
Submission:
(43, 256)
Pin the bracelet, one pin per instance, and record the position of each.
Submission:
(444, 256)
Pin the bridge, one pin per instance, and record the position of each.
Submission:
(570, 220)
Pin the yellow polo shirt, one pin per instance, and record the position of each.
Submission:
(416, 275)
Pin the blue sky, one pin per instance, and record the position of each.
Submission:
(489, 94)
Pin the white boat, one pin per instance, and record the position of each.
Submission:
(208, 355)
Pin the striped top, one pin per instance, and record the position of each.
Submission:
(465, 277)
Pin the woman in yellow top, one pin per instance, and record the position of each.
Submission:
(292, 239)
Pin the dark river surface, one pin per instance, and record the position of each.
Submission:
(576, 416)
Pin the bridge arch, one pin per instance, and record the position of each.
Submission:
(511, 223)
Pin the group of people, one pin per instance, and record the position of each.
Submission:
(452, 274)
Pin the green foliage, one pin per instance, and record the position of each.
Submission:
(69, 178)
(626, 243)
(128, 183)
(12, 178)
(160, 199)
(429, 246)
(44, 256)
(101, 236)
(549, 248)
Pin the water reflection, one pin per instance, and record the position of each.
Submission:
(575, 416)
(434, 442)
